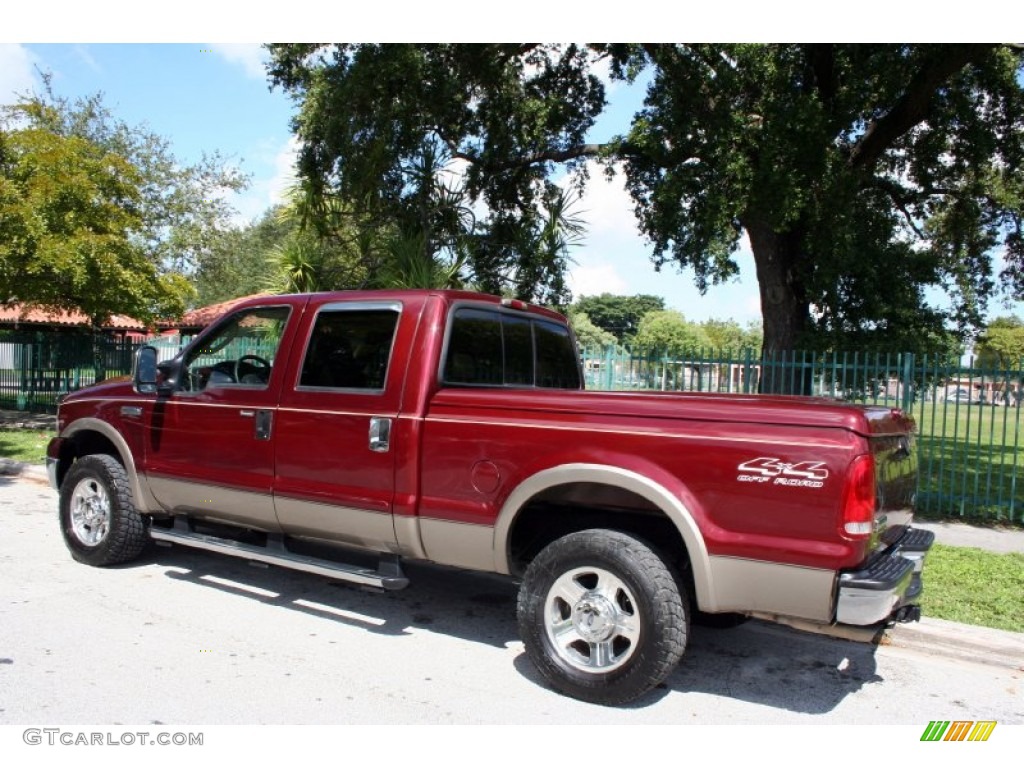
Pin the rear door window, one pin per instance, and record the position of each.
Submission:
(493, 348)
(350, 349)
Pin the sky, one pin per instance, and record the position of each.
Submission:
(215, 97)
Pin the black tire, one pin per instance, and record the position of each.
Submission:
(602, 617)
(98, 520)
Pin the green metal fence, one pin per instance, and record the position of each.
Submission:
(37, 368)
(970, 422)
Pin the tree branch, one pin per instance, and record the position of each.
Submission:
(914, 105)
(546, 156)
(900, 200)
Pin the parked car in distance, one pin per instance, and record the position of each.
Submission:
(960, 395)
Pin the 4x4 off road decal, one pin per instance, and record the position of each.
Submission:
(802, 474)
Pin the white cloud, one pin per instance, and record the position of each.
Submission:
(284, 171)
(752, 310)
(607, 206)
(268, 189)
(87, 58)
(616, 258)
(17, 74)
(595, 279)
(249, 56)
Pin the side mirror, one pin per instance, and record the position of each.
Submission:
(145, 374)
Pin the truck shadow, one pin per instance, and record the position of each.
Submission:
(470, 606)
(764, 664)
(758, 662)
(775, 666)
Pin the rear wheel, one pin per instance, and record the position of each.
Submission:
(97, 517)
(602, 617)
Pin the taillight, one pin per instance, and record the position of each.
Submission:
(858, 513)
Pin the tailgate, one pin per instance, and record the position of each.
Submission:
(892, 437)
(888, 584)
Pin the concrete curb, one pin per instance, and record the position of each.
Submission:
(964, 642)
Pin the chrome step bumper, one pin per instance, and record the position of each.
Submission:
(889, 586)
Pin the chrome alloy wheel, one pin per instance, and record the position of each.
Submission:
(90, 512)
(592, 620)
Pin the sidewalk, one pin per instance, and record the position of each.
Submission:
(998, 540)
(24, 420)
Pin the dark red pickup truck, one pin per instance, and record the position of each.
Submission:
(344, 433)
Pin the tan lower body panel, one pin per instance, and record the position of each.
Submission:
(345, 525)
(786, 590)
(462, 545)
(214, 502)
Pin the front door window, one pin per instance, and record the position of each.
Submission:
(241, 353)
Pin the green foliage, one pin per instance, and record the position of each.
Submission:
(281, 253)
(377, 123)
(862, 174)
(106, 218)
(668, 332)
(412, 265)
(589, 335)
(730, 335)
(182, 207)
(70, 214)
(426, 235)
(237, 263)
(1002, 344)
(618, 315)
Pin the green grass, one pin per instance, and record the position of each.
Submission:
(971, 460)
(28, 445)
(972, 586)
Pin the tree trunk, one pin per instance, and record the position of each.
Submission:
(784, 306)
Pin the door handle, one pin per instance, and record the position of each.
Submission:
(380, 434)
(263, 422)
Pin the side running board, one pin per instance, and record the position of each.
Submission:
(388, 575)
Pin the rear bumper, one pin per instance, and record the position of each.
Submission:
(889, 587)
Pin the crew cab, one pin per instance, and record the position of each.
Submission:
(347, 433)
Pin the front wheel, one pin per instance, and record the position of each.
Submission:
(602, 617)
(97, 517)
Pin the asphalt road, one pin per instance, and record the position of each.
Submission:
(185, 637)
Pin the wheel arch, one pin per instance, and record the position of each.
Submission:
(93, 436)
(655, 494)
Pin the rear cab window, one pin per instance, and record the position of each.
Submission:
(496, 348)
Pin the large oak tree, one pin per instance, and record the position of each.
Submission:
(862, 174)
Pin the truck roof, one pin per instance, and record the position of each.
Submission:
(449, 296)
